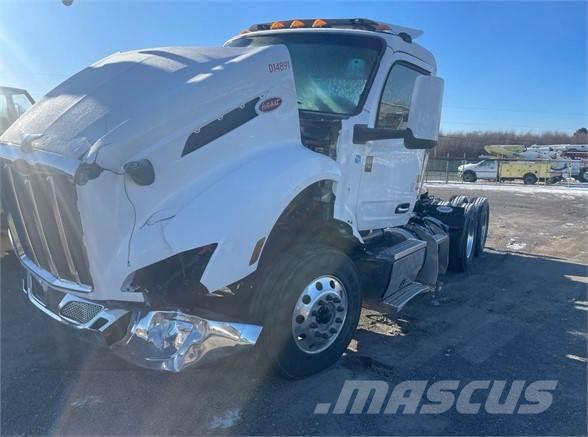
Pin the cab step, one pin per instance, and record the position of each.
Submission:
(402, 296)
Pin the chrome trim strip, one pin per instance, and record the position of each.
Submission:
(40, 230)
(44, 275)
(61, 230)
(64, 164)
(21, 216)
(13, 236)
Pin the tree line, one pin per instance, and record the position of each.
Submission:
(471, 144)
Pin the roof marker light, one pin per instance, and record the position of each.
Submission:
(383, 26)
(319, 23)
(295, 24)
(277, 25)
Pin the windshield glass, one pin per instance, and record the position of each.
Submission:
(331, 71)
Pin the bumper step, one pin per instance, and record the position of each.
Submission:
(398, 299)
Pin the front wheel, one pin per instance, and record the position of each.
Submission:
(469, 176)
(311, 301)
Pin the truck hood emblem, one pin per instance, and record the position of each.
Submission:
(270, 104)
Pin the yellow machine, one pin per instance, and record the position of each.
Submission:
(529, 171)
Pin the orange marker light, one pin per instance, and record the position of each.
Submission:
(277, 25)
(383, 26)
(243, 32)
(319, 23)
(296, 24)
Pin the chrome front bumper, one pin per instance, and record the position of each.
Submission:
(159, 340)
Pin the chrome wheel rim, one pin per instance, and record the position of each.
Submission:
(319, 314)
(470, 241)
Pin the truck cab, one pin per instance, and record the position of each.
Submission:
(180, 204)
(486, 169)
(350, 81)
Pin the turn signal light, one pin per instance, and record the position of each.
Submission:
(277, 25)
(296, 24)
(319, 23)
(383, 26)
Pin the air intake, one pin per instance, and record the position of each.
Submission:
(81, 312)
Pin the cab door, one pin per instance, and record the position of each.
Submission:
(487, 169)
(390, 173)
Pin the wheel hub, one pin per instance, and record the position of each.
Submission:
(319, 314)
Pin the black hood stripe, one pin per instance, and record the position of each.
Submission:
(217, 128)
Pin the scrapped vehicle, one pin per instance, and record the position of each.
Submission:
(181, 204)
(13, 103)
(528, 171)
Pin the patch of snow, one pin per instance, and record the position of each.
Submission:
(515, 245)
(576, 190)
(225, 420)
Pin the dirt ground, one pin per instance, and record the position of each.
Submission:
(520, 313)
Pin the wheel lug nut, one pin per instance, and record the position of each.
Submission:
(313, 325)
(318, 334)
(340, 308)
(337, 300)
(332, 330)
(329, 297)
(338, 320)
(325, 335)
(321, 302)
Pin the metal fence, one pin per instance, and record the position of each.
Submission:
(447, 171)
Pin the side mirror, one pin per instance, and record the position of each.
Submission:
(424, 116)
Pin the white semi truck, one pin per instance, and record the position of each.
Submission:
(181, 204)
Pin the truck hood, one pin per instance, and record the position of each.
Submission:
(132, 100)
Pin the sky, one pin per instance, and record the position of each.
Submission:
(515, 66)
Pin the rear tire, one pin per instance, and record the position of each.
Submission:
(311, 292)
(530, 179)
(583, 175)
(462, 243)
(483, 216)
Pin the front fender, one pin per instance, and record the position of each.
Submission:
(242, 207)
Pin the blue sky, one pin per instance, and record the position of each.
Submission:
(519, 66)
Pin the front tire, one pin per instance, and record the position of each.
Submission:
(469, 176)
(311, 303)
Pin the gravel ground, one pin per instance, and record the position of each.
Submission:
(519, 314)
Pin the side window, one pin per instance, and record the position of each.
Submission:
(3, 106)
(21, 103)
(395, 100)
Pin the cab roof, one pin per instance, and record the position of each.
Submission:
(392, 35)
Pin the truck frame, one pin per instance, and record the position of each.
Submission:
(182, 204)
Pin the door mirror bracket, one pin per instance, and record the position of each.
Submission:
(362, 134)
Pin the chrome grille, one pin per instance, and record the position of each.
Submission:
(43, 220)
(81, 312)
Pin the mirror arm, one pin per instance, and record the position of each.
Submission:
(362, 133)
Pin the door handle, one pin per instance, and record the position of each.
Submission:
(403, 208)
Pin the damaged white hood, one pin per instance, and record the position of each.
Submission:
(115, 108)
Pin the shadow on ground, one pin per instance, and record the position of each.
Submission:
(512, 317)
